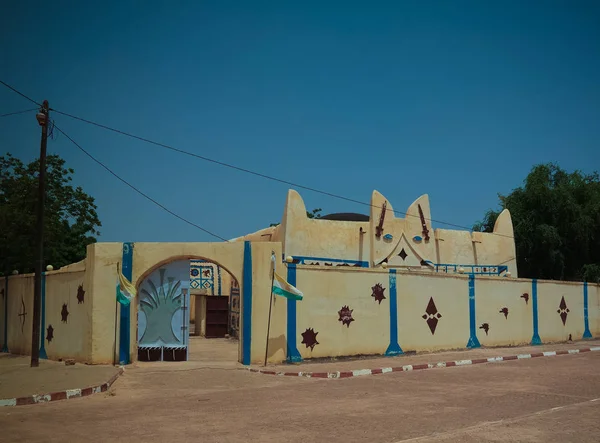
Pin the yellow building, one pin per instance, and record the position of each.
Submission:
(376, 284)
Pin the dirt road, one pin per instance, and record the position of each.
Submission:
(539, 400)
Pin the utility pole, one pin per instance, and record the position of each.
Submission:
(43, 118)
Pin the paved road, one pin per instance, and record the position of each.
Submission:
(537, 400)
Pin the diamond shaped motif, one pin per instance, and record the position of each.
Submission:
(563, 311)
(206, 285)
(432, 316)
(403, 254)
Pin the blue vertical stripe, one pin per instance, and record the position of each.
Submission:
(125, 320)
(293, 355)
(535, 340)
(393, 348)
(247, 304)
(586, 333)
(43, 353)
(473, 340)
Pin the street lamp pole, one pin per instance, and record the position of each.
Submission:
(43, 118)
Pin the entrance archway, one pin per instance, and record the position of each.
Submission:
(182, 298)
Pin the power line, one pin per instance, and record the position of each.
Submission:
(136, 189)
(20, 93)
(19, 112)
(238, 168)
(248, 171)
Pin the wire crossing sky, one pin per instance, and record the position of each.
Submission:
(454, 99)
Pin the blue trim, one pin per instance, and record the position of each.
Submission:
(5, 345)
(394, 348)
(247, 304)
(125, 320)
(535, 340)
(469, 269)
(302, 260)
(586, 333)
(293, 356)
(219, 279)
(43, 353)
(473, 340)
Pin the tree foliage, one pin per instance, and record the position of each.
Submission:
(70, 218)
(556, 219)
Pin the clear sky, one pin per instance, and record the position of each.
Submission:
(455, 99)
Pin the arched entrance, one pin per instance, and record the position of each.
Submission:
(180, 298)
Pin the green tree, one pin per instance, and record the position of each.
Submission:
(556, 219)
(70, 218)
(315, 213)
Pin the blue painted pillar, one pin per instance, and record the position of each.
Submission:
(293, 355)
(586, 333)
(473, 340)
(5, 345)
(247, 304)
(43, 328)
(535, 340)
(125, 320)
(393, 348)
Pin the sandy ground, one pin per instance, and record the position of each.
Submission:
(540, 400)
(18, 379)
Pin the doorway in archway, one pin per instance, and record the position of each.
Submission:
(180, 299)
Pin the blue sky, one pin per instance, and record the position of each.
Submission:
(455, 99)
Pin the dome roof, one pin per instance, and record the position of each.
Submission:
(346, 216)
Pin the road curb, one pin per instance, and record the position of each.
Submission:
(407, 368)
(61, 395)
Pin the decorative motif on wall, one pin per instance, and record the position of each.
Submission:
(378, 292)
(49, 333)
(23, 314)
(309, 338)
(432, 316)
(64, 313)
(159, 306)
(403, 254)
(346, 316)
(388, 237)
(379, 227)
(563, 311)
(80, 295)
(423, 224)
(485, 327)
(504, 311)
(202, 276)
(526, 297)
(417, 239)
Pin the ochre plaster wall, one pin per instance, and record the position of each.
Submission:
(494, 294)
(594, 309)
(2, 298)
(103, 258)
(20, 299)
(72, 338)
(326, 291)
(450, 297)
(102, 261)
(261, 295)
(550, 294)
(359, 241)
(307, 237)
